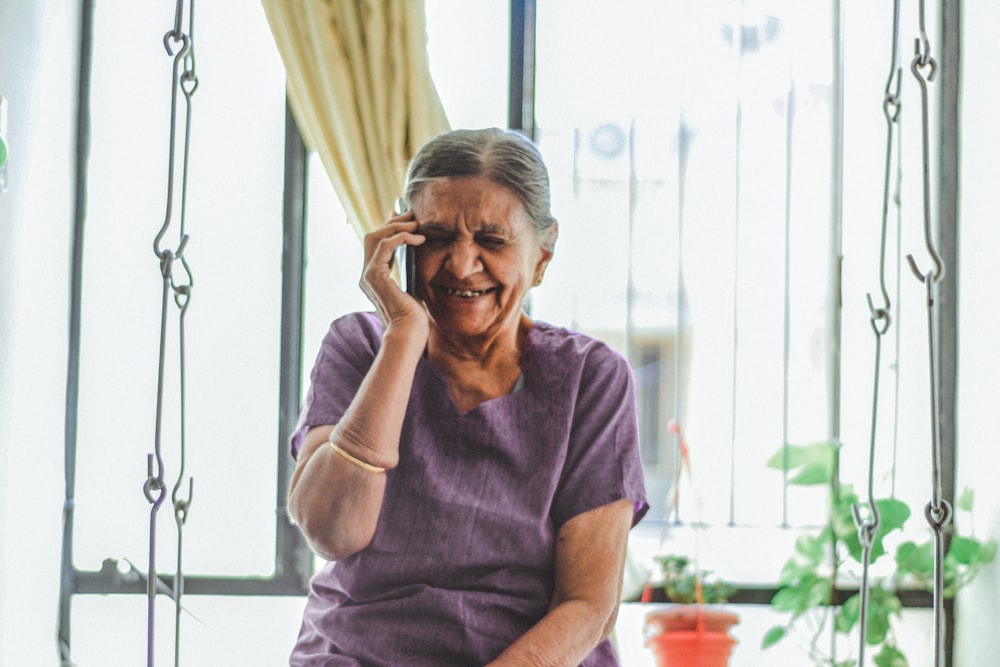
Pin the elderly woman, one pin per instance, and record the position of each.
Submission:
(471, 474)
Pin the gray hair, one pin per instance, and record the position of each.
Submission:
(505, 157)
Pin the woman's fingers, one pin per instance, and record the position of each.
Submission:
(376, 279)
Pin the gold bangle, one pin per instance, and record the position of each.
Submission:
(356, 461)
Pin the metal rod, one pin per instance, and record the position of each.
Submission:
(835, 327)
(738, 52)
(109, 580)
(292, 557)
(836, 224)
(786, 316)
(71, 424)
(521, 89)
(947, 240)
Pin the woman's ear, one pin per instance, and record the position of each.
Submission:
(549, 238)
(548, 243)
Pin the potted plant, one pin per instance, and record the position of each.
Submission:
(689, 633)
(807, 586)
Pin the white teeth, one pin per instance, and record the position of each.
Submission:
(465, 294)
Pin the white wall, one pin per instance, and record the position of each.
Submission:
(37, 44)
(978, 453)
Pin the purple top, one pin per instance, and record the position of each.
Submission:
(462, 560)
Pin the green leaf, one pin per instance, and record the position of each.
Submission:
(914, 559)
(882, 604)
(793, 571)
(878, 625)
(814, 463)
(810, 592)
(890, 656)
(791, 599)
(852, 543)
(988, 551)
(892, 514)
(799, 455)
(773, 636)
(811, 474)
(842, 517)
(811, 548)
(965, 499)
(964, 550)
(848, 615)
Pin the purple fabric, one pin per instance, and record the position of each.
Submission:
(461, 563)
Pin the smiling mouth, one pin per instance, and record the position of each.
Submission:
(466, 294)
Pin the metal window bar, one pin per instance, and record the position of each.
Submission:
(521, 88)
(947, 244)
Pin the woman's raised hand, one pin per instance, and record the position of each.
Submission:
(394, 306)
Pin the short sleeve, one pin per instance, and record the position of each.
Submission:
(345, 356)
(603, 462)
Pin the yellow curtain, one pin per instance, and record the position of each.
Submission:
(360, 88)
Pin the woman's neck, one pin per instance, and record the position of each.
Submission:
(479, 370)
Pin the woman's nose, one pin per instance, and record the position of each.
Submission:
(463, 260)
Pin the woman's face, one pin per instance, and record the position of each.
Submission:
(481, 256)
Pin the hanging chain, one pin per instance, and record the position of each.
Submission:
(938, 511)
(868, 523)
(180, 46)
(922, 60)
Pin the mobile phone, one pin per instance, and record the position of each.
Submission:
(405, 261)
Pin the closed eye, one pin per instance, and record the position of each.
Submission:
(491, 241)
(436, 240)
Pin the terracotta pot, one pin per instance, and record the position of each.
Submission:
(690, 636)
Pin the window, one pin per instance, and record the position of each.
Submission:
(692, 156)
(233, 330)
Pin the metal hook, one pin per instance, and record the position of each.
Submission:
(189, 80)
(923, 40)
(930, 276)
(866, 526)
(182, 291)
(915, 67)
(182, 505)
(167, 256)
(922, 59)
(892, 105)
(178, 20)
(894, 70)
(189, 83)
(922, 50)
(154, 483)
(940, 516)
(174, 37)
(879, 315)
(171, 159)
(182, 294)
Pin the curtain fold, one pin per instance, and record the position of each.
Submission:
(360, 88)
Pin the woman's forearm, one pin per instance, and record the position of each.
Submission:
(590, 559)
(563, 638)
(335, 501)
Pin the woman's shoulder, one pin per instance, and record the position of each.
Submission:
(363, 325)
(565, 348)
(355, 336)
